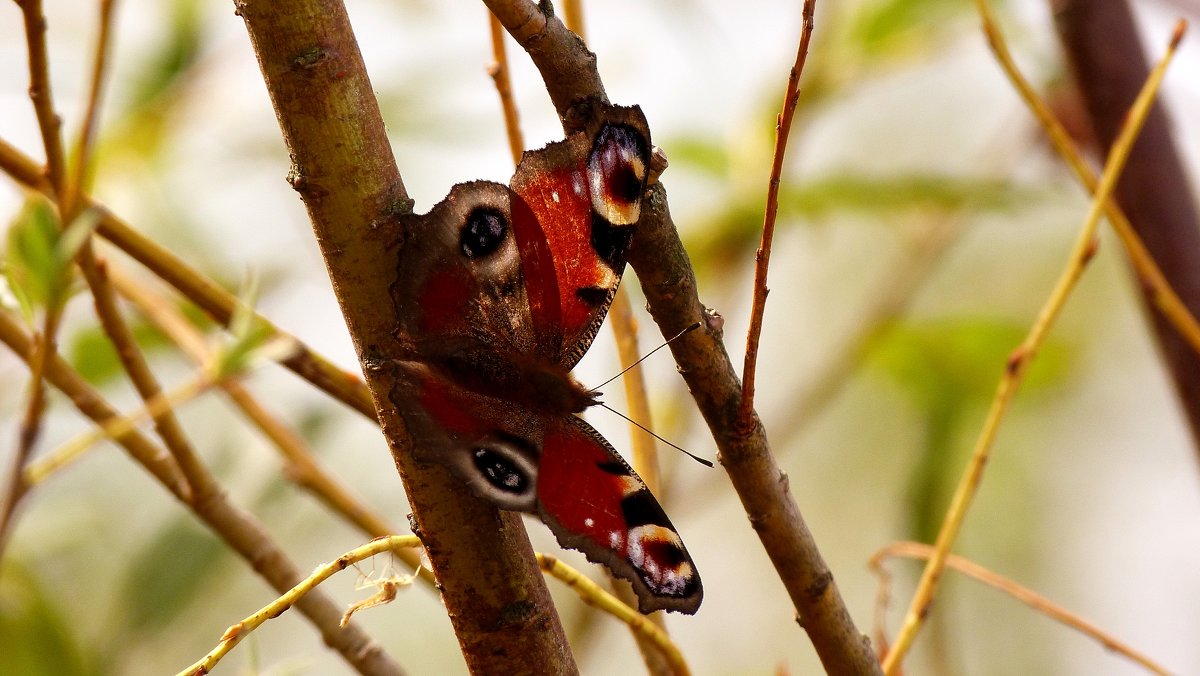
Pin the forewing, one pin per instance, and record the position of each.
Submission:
(578, 202)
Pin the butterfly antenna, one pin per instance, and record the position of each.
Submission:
(702, 461)
(643, 358)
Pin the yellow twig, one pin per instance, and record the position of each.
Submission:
(234, 634)
(499, 72)
(64, 455)
(593, 595)
(916, 550)
(1081, 253)
(1159, 290)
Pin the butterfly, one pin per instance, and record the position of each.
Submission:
(500, 291)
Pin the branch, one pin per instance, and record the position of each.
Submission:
(669, 283)
(238, 529)
(1081, 253)
(347, 177)
(1109, 64)
(762, 258)
(218, 303)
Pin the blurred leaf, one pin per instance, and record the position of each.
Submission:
(700, 153)
(35, 637)
(254, 339)
(160, 86)
(731, 233)
(92, 353)
(175, 568)
(36, 273)
(952, 360)
(888, 28)
(951, 367)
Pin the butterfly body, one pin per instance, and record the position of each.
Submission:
(500, 291)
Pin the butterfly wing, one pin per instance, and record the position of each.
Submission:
(594, 502)
(577, 204)
(561, 469)
(500, 292)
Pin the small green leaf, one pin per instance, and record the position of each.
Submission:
(92, 354)
(36, 273)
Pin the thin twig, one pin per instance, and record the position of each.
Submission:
(640, 624)
(74, 187)
(500, 75)
(916, 550)
(1081, 253)
(301, 466)
(1158, 289)
(40, 92)
(41, 469)
(783, 127)
(234, 634)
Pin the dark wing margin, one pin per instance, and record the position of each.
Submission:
(594, 502)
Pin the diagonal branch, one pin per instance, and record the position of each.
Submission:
(1109, 63)
(762, 258)
(237, 528)
(669, 283)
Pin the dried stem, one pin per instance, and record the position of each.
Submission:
(234, 634)
(500, 75)
(762, 258)
(1104, 50)
(1081, 253)
(572, 16)
(916, 550)
(1154, 283)
(237, 528)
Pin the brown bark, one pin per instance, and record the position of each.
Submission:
(345, 173)
(1109, 65)
(662, 265)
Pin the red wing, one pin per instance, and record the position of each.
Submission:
(577, 203)
(595, 503)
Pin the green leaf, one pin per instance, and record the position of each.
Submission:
(890, 27)
(36, 273)
(92, 354)
(35, 636)
(957, 360)
(731, 233)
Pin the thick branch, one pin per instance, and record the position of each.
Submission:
(345, 172)
(667, 279)
(1110, 66)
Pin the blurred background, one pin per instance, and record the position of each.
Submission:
(923, 222)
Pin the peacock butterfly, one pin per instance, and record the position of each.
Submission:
(500, 291)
